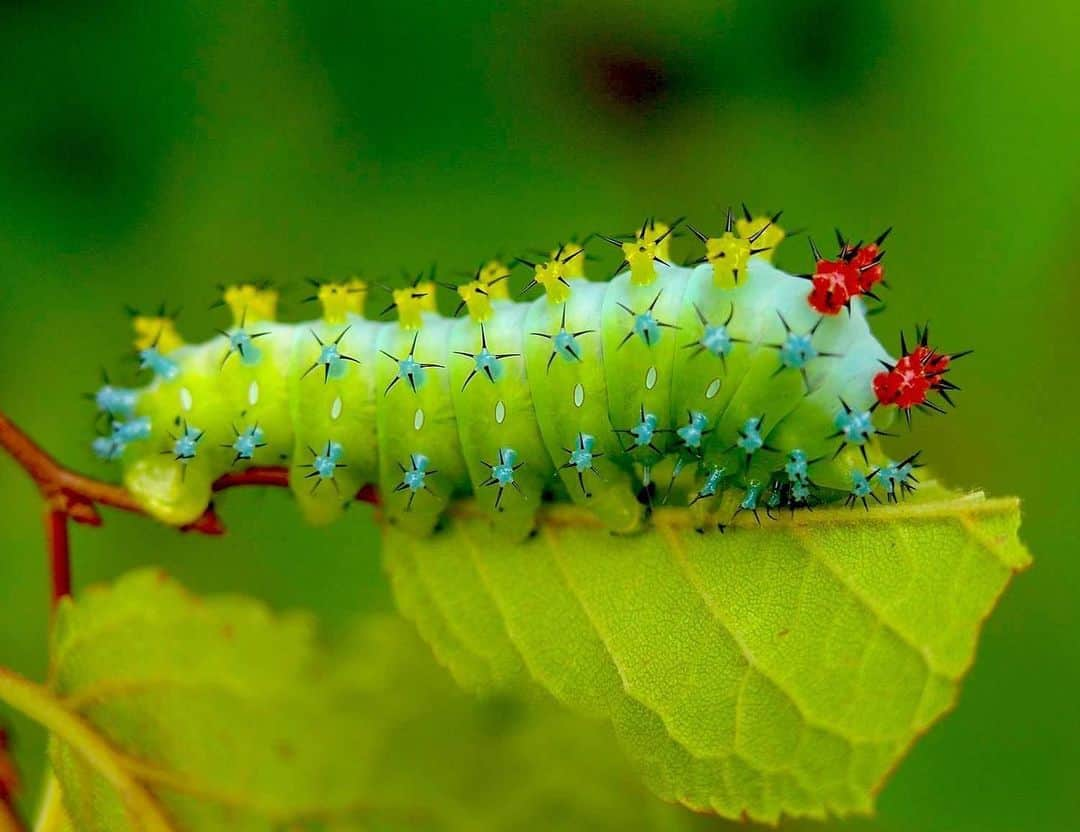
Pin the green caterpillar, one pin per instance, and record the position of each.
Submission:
(724, 382)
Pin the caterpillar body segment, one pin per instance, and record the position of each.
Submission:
(219, 399)
(331, 396)
(725, 386)
(415, 421)
(564, 353)
(508, 463)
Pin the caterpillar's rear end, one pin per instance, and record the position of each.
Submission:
(726, 386)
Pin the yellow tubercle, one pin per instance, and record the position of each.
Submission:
(425, 292)
(659, 233)
(251, 302)
(571, 257)
(336, 302)
(552, 276)
(477, 299)
(158, 331)
(729, 255)
(770, 235)
(640, 256)
(411, 302)
(356, 291)
(493, 275)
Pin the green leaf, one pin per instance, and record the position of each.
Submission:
(170, 712)
(764, 672)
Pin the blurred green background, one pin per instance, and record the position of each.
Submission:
(151, 151)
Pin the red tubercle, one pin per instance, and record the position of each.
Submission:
(908, 383)
(856, 271)
(932, 364)
(866, 260)
(832, 283)
(904, 388)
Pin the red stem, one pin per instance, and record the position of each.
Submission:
(69, 495)
(57, 535)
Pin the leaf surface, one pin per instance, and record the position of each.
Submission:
(764, 672)
(173, 713)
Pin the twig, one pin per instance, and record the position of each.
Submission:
(9, 784)
(69, 495)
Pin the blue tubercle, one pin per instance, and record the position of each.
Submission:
(717, 340)
(581, 457)
(247, 442)
(330, 358)
(413, 479)
(566, 346)
(487, 364)
(855, 426)
(158, 364)
(694, 431)
(797, 468)
(711, 486)
(116, 401)
(334, 451)
(108, 448)
(132, 429)
(749, 501)
(797, 351)
(750, 440)
(410, 370)
(331, 361)
(753, 493)
(895, 476)
(242, 342)
(123, 433)
(861, 488)
(646, 328)
(645, 430)
(501, 473)
(860, 485)
(186, 446)
(324, 465)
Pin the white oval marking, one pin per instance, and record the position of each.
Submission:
(418, 419)
(186, 401)
(712, 389)
(335, 408)
(253, 392)
(500, 411)
(650, 378)
(579, 395)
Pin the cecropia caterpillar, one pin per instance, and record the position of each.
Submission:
(724, 382)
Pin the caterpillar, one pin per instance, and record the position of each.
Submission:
(722, 382)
